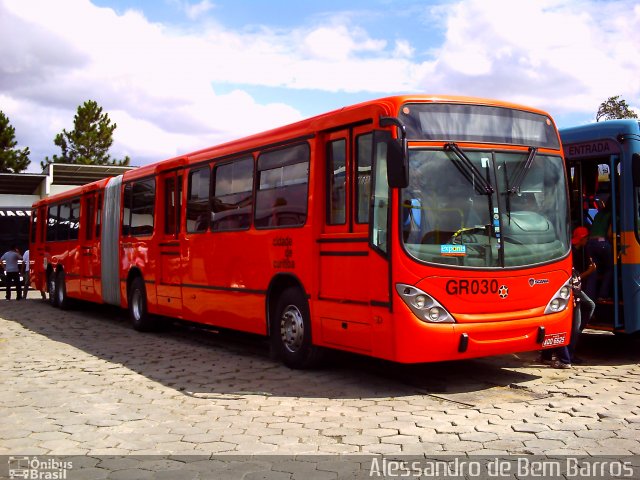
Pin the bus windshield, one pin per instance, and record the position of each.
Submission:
(517, 219)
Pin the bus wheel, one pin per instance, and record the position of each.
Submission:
(51, 286)
(62, 300)
(138, 313)
(292, 331)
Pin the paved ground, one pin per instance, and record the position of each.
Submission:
(82, 382)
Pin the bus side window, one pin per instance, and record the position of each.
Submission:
(283, 180)
(363, 192)
(34, 225)
(198, 214)
(139, 207)
(170, 206)
(64, 216)
(232, 195)
(74, 219)
(143, 207)
(89, 216)
(379, 228)
(126, 210)
(337, 184)
(98, 215)
(52, 223)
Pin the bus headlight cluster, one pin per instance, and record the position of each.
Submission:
(560, 300)
(424, 306)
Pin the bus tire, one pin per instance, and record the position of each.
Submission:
(51, 287)
(138, 313)
(291, 331)
(62, 301)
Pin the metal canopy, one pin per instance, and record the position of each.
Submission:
(20, 183)
(64, 174)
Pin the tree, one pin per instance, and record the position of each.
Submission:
(12, 160)
(613, 108)
(89, 141)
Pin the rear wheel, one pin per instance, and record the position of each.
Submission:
(61, 291)
(138, 313)
(291, 331)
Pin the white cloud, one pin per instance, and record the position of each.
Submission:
(558, 54)
(196, 10)
(156, 81)
(403, 49)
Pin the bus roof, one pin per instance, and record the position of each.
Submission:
(335, 118)
(606, 129)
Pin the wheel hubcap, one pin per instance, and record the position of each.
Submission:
(292, 328)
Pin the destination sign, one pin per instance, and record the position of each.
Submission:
(594, 148)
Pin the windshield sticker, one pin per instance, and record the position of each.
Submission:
(453, 250)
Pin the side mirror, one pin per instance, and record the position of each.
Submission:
(635, 169)
(397, 155)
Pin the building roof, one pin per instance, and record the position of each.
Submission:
(64, 174)
(21, 183)
(55, 174)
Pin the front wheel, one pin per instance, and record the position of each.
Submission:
(138, 313)
(291, 331)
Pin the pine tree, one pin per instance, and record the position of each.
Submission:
(89, 141)
(614, 108)
(12, 160)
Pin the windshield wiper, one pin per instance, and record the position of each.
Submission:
(469, 170)
(522, 171)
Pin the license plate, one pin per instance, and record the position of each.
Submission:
(554, 339)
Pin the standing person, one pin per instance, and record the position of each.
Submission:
(26, 275)
(12, 269)
(599, 248)
(584, 305)
(562, 357)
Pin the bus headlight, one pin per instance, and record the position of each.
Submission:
(565, 291)
(560, 300)
(423, 305)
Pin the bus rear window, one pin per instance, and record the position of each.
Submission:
(478, 123)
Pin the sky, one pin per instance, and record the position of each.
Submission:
(180, 75)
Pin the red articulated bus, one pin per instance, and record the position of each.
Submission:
(411, 228)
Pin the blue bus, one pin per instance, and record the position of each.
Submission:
(603, 165)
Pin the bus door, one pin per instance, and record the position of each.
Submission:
(630, 244)
(616, 208)
(89, 249)
(595, 184)
(169, 289)
(353, 277)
